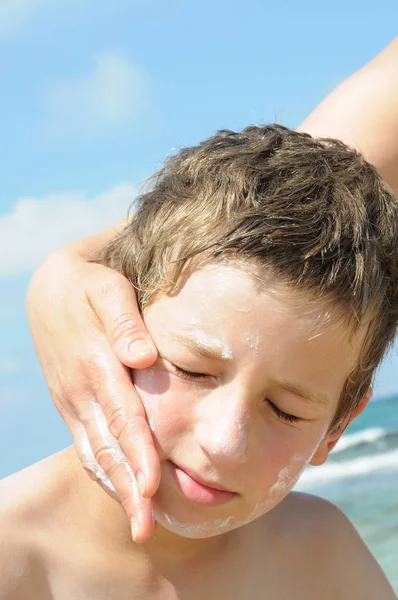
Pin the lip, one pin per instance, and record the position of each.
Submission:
(195, 489)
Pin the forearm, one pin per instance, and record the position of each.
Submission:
(363, 112)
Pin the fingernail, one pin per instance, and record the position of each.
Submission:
(134, 528)
(141, 482)
(141, 348)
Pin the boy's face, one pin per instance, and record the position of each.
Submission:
(267, 380)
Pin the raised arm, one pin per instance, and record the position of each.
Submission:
(363, 112)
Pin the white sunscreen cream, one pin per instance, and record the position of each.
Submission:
(112, 448)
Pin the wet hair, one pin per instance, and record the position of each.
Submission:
(310, 210)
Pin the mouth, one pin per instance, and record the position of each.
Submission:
(195, 489)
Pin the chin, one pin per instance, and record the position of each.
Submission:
(205, 529)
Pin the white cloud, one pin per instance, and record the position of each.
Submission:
(111, 94)
(14, 13)
(36, 226)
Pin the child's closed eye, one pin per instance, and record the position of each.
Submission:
(190, 375)
(284, 416)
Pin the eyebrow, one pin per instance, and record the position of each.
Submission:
(213, 349)
(308, 396)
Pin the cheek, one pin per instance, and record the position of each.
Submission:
(280, 466)
(279, 483)
(166, 402)
(288, 476)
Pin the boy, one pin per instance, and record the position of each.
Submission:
(265, 264)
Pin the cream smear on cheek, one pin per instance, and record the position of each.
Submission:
(287, 478)
(289, 475)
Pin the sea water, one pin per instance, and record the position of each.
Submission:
(361, 477)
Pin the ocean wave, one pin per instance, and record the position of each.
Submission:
(366, 436)
(350, 468)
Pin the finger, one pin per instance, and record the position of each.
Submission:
(115, 304)
(103, 459)
(125, 417)
(142, 521)
(116, 479)
(85, 452)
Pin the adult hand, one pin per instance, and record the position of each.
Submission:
(86, 327)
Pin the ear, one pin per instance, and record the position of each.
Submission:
(331, 439)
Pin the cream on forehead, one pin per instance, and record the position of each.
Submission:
(208, 341)
(225, 281)
(322, 312)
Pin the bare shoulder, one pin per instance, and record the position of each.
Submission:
(327, 552)
(26, 499)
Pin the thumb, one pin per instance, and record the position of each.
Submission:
(115, 304)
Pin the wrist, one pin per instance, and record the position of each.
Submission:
(89, 246)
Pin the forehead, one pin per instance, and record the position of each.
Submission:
(239, 286)
(248, 307)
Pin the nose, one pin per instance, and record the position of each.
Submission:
(222, 427)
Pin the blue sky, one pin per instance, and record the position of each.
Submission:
(96, 93)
